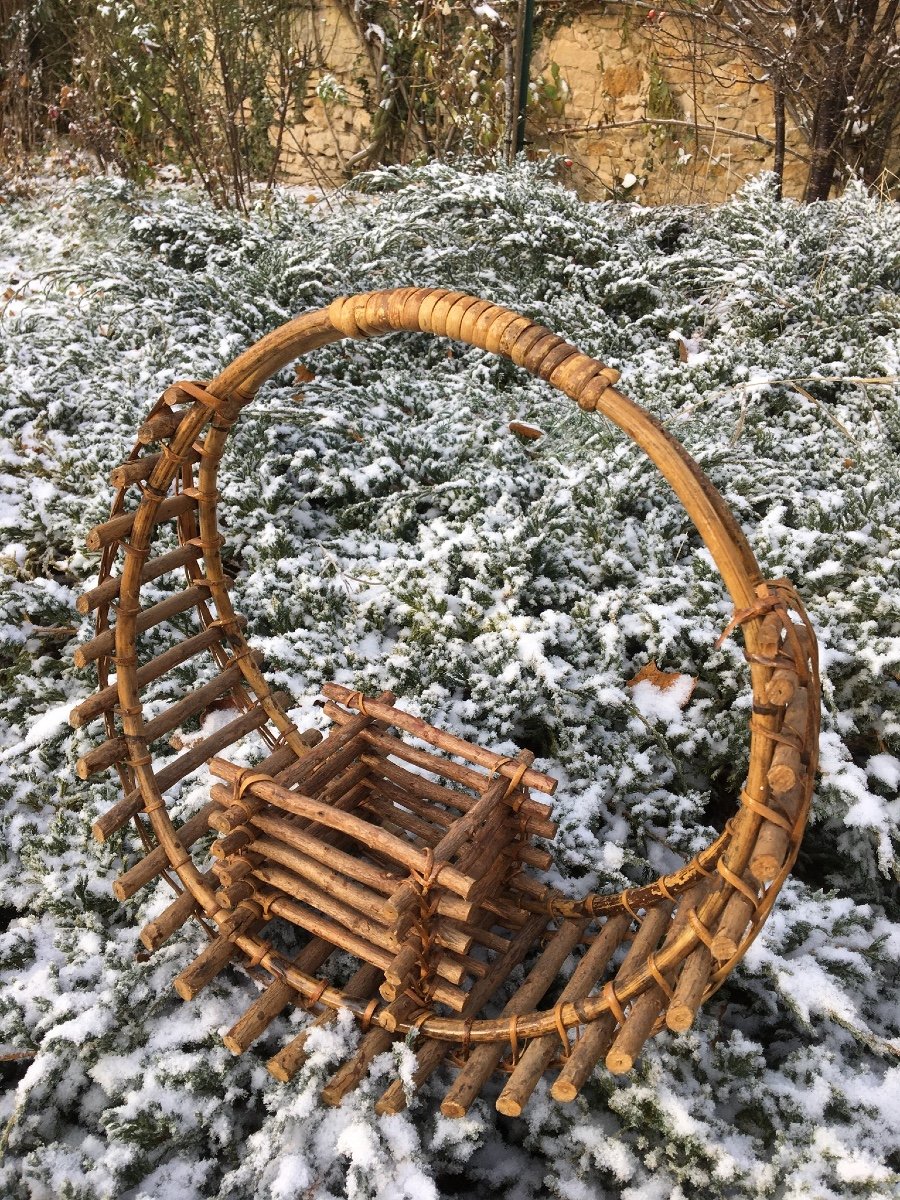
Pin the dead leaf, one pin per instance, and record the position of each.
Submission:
(663, 680)
(531, 433)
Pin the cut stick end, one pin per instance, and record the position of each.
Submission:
(508, 1106)
(782, 779)
(232, 1044)
(120, 893)
(453, 1108)
(80, 659)
(765, 867)
(184, 989)
(390, 1104)
(680, 1018)
(277, 1070)
(618, 1062)
(563, 1091)
(83, 605)
(723, 948)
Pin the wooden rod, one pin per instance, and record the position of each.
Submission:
(132, 803)
(363, 831)
(153, 568)
(782, 686)
(773, 844)
(645, 1009)
(381, 881)
(430, 1053)
(324, 874)
(276, 996)
(287, 1062)
(733, 923)
(143, 872)
(386, 745)
(107, 698)
(784, 773)
(374, 1042)
(440, 739)
(104, 643)
(158, 428)
(312, 922)
(119, 527)
(138, 469)
(327, 903)
(398, 793)
(116, 749)
(158, 931)
(205, 967)
(541, 1051)
(483, 1060)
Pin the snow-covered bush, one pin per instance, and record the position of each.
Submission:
(394, 533)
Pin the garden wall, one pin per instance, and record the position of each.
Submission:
(630, 112)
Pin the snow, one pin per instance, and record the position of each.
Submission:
(393, 533)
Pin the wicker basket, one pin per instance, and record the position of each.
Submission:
(392, 841)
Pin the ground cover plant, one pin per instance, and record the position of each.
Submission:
(394, 533)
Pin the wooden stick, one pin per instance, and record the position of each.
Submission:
(103, 644)
(138, 469)
(784, 773)
(541, 1051)
(160, 427)
(326, 902)
(332, 931)
(288, 1061)
(363, 831)
(119, 527)
(205, 967)
(381, 881)
(116, 749)
(158, 931)
(441, 740)
(106, 699)
(535, 812)
(437, 816)
(734, 920)
(143, 872)
(430, 1053)
(596, 1037)
(782, 686)
(483, 1060)
(107, 591)
(773, 843)
(324, 875)
(276, 996)
(386, 745)
(373, 1043)
(646, 1008)
(132, 803)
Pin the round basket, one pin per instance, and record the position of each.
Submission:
(392, 841)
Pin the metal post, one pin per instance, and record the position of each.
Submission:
(524, 72)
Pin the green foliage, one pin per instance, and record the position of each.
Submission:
(393, 533)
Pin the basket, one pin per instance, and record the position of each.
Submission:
(390, 841)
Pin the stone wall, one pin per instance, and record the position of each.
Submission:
(622, 128)
(621, 75)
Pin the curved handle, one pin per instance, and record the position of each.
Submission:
(530, 345)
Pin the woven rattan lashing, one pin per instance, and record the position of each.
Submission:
(432, 881)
